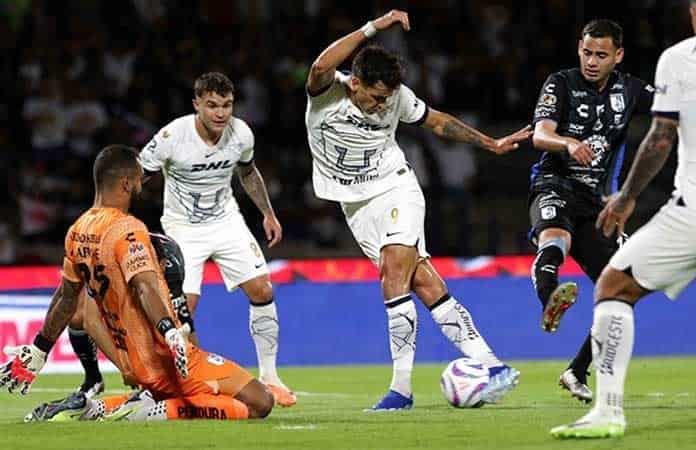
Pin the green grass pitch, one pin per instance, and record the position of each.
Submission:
(660, 409)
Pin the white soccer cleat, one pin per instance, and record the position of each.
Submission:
(594, 425)
(577, 388)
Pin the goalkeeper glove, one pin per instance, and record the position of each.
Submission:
(176, 341)
(24, 362)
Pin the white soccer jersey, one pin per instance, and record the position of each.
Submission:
(197, 177)
(675, 97)
(355, 155)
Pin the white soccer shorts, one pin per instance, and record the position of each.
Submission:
(662, 253)
(229, 243)
(396, 216)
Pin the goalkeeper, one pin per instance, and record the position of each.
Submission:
(108, 253)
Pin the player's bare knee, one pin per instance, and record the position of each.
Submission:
(616, 284)
(77, 320)
(259, 290)
(262, 405)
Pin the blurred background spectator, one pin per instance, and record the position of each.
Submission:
(80, 74)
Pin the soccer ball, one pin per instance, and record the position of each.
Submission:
(463, 381)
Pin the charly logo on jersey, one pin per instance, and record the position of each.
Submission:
(599, 145)
(579, 94)
(617, 102)
(583, 110)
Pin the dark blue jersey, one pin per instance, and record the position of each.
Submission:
(599, 119)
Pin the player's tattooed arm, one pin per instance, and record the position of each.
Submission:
(253, 184)
(449, 127)
(62, 308)
(651, 156)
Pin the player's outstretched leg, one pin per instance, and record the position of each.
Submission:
(458, 326)
(264, 329)
(555, 298)
(612, 343)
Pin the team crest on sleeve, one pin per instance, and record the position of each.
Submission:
(548, 99)
(617, 102)
(548, 212)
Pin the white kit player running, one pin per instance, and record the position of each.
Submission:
(351, 124)
(198, 154)
(660, 256)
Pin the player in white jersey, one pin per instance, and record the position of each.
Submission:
(351, 124)
(661, 255)
(198, 155)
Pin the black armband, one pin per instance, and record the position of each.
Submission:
(165, 325)
(42, 343)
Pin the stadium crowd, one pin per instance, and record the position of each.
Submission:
(78, 74)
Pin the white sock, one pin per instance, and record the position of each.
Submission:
(263, 327)
(403, 325)
(457, 324)
(612, 345)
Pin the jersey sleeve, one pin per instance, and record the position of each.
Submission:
(667, 88)
(68, 271)
(646, 95)
(327, 95)
(133, 251)
(156, 153)
(551, 103)
(411, 109)
(246, 137)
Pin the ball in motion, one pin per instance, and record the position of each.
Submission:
(463, 381)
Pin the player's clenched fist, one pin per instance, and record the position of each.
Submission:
(19, 372)
(392, 17)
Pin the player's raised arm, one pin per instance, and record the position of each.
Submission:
(321, 74)
(253, 184)
(448, 126)
(25, 361)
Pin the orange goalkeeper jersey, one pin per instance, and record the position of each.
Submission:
(105, 248)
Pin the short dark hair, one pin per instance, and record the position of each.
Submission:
(373, 64)
(601, 28)
(213, 82)
(112, 163)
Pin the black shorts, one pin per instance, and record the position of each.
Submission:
(558, 208)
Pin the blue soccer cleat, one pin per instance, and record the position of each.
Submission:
(71, 408)
(393, 401)
(503, 379)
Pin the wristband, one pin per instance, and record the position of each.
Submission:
(369, 29)
(42, 343)
(165, 325)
